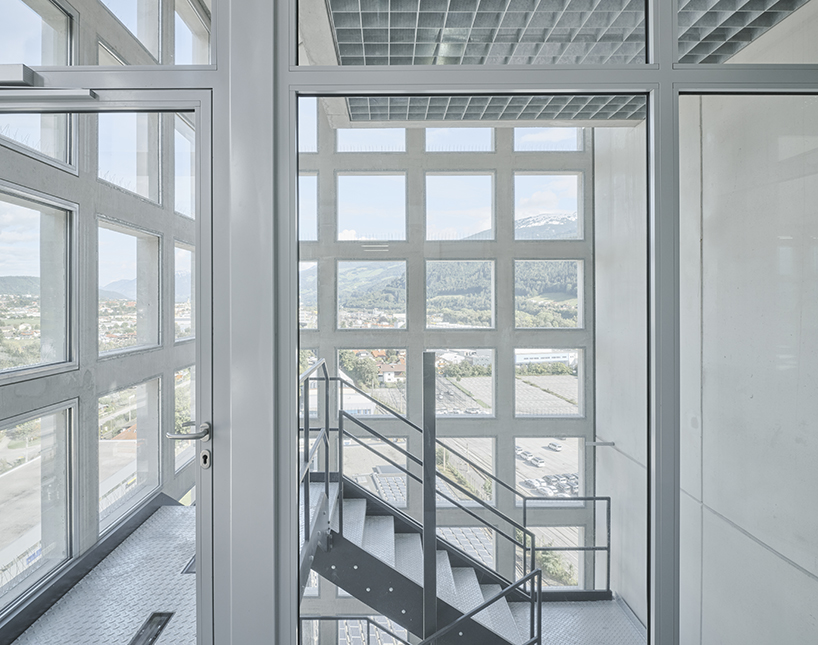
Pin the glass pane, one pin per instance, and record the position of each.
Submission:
(34, 501)
(366, 463)
(456, 459)
(184, 142)
(547, 139)
(191, 35)
(371, 139)
(128, 449)
(33, 284)
(748, 32)
(749, 341)
(372, 207)
(459, 207)
(459, 140)
(546, 207)
(547, 382)
(107, 57)
(183, 292)
(459, 294)
(184, 411)
(381, 373)
(436, 32)
(547, 293)
(371, 295)
(141, 17)
(45, 133)
(307, 208)
(465, 382)
(308, 295)
(307, 124)
(548, 467)
(33, 33)
(128, 288)
(559, 568)
(129, 152)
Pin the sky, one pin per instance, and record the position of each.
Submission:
(117, 256)
(184, 169)
(308, 207)
(19, 240)
(546, 139)
(119, 150)
(459, 140)
(27, 129)
(21, 34)
(538, 194)
(371, 140)
(307, 124)
(182, 259)
(458, 206)
(372, 207)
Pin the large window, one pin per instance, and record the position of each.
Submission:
(97, 311)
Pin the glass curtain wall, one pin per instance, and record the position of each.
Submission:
(492, 230)
(77, 456)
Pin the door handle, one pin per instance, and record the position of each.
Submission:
(203, 434)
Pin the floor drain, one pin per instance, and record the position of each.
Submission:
(190, 567)
(150, 631)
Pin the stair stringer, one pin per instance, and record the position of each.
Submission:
(387, 591)
(406, 524)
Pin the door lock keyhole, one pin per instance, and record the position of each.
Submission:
(205, 458)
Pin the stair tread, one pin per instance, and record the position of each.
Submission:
(446, 589)
(502, 620)
(520, 611)
(409, 556)
(379, 537)
(470, 595)
(354, 517)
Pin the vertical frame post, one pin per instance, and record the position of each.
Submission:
(429, 508)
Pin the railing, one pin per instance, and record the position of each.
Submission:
(582, 549)
(535, 611)
(370, 623)
(308, 452)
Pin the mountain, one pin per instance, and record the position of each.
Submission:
(125, 289)
(545, 226)
(104, 294)
(19, 285)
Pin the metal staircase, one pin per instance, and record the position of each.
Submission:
(399, 565)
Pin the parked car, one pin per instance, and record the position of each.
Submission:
(539, 462)
(525, 454)
(556, 447)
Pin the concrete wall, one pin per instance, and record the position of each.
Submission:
(790, 41)
(621, 344)
(750, 368)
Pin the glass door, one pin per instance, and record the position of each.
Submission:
(105, 362)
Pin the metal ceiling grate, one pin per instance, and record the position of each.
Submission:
(543, 32)
(497, 108)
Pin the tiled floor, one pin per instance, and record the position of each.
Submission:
(141, 576)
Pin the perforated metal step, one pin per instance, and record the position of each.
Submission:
(409, 556)
(446, 589)
(379, 537)
(503, 622)
(521, 612)
(354, 517)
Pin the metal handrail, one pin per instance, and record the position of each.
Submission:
(534, 625)
(314, 368)
(462, 489)
(381, 404)
(606, 548)
(367, 619)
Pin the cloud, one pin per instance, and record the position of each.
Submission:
(348, 234)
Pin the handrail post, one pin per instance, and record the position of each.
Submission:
(429, 501)
(307, 459)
